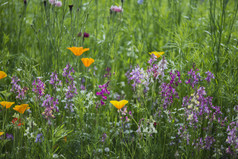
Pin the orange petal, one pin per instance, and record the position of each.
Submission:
(7, 104)
(2, 74)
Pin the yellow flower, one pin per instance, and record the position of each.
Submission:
(157, 54)
(7, 104)
(78, 50)
(119, 104)
(21, 108)
(1, 133)
(2, 74)
(87, 61)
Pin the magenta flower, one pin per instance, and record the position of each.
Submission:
(116, 9)
(58, 4)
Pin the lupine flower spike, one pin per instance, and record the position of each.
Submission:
(119, 104)
(78, 50)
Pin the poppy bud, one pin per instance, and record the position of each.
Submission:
(71, 7)
(25, 2)
(45, 3)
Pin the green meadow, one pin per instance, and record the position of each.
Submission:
(118, 79)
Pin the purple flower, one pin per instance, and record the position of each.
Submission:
(85, 35)
(104, 91)
(136, 75)
(194, 77)
(140, 1)
(108, 73)
(50, 107)
(16, 88)
(71, 88)
(104, 136)
(209, 76)
(39, 138)
(38, 88)
(54, 80)
(232, 137)
(9, 136)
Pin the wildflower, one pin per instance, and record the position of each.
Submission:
(140, 1)
(104, 136)
(136, 75)
(87, 61)
(2, 75)
(78, 50)
(16, 88)
(1, 133)
(19, 121)
(50, 106)
(103, 92)
(209, 76)
(52, 2)
(39, 138)
(119, 104)
(85, 35)
(38, 88)
(116, 9)
(7, 104)
(9, 136)
(54, 80)
(71, 90)
(58, 4)
(21, 108)
(157, 54)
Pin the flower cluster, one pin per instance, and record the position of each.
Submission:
(232, 138)
(194, 77)
(16, 88)
(38, 88)
(209, 76)
(104, 91)
(168, 91)
(50, 106)
(39, 138)
(136, 75)
(54, 80)
(71, 91)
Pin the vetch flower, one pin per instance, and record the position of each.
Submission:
(119, 104)
(78, 50)
(85, 35)
(157, 54)
(7, 104)
(140, 1)
(87, 61)
(2, 75)
(21, 108)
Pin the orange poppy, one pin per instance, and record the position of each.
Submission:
(1, 133)
(87, 61)
(157, 54)
(78, 50)
(21, 108)
(2, 74)
(119, 104)
(7, 104)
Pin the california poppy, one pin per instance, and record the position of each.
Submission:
(7, 104)
(78, 50)
(1, 133)
(2, 74)
(87, 61)
(119, 104)
(21, 108)
(157, 54)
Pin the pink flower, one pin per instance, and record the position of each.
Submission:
(116, 9)
(58, 4)
(52, 2)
